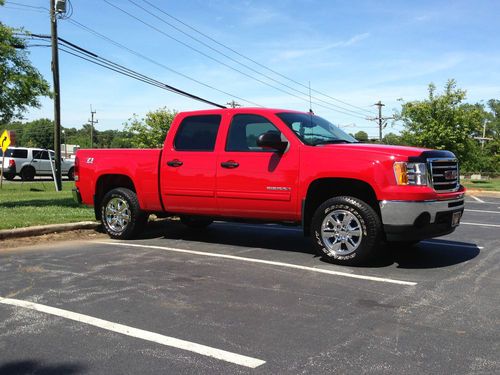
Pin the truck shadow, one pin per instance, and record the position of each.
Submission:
(433, 254)
(436, 253)
(36, 367)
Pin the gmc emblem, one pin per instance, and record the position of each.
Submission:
(450, 175)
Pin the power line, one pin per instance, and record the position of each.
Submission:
(223, 63)
(144, 57)
(382, 121)
(250, 59)
(26, 5)
(89, 56)
(307, 94)
(24, 9)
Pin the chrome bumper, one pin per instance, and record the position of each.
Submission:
(401, 213)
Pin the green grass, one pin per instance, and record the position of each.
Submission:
(490, 185)
(28, 204)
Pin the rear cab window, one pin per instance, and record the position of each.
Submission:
(197, 133)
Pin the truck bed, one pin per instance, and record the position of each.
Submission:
(139, 165)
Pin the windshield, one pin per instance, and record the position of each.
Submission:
(314, 130)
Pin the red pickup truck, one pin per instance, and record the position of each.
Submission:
(276, 166)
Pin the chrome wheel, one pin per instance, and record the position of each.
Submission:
(341, 232)
(117, 214)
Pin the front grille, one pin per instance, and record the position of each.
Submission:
(445, 175)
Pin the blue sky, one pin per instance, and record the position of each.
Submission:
(356, 51)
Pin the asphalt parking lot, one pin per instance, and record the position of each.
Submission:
(253, 299)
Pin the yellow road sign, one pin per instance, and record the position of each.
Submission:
(5, 141)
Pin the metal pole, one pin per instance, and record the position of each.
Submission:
(380, 121)
(1, 177)
(57, 96)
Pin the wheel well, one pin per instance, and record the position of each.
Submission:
(106, 183)
(323, 189)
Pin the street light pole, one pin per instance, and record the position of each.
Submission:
(57, 94)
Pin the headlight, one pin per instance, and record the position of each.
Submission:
(410, 173)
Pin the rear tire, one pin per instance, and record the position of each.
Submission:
(71, 174)
(28, 174)
(121, 215)
(196, 222)
(346, 230)
(9, 176)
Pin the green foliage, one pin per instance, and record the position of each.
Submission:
(361, 136)
(393, 139)
(38, 203)
(150, 132)
(21, 84)
(443, 121)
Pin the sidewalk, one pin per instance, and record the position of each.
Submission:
(483, 193)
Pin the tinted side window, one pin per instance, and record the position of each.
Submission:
(16, 153)
(21, 153)
(44, 155)
(244, 131)
(197, 133)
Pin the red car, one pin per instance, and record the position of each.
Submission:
(276, 166)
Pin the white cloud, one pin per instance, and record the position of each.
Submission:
(296, 53)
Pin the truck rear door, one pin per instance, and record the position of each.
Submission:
(254, 182)
(188, 166)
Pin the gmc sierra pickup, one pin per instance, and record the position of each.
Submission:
(276, 166)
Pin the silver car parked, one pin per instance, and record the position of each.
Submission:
(30, 162)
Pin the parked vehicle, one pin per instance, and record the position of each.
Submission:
(31, 162)
(276, 166)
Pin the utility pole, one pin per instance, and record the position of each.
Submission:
(233, 104)
(483, 139)
(379, 105)
(382, 121)
(57, 94)
(92, 122)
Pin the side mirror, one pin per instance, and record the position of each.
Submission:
(272, 139)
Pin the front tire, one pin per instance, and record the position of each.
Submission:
(346, 230)
(121, 215)
(71, 174)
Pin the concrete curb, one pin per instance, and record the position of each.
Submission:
(44, 229)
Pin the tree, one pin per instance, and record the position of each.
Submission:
(442, 121)
(20, 83)
(150, 132)
(38, 133)
(392, 139)
(361, 136)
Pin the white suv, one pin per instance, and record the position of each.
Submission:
(31, 162)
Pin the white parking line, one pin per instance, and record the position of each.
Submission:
(488, 212)
(139, 333)
(477, 199)
(481, 225)
(451, 244)
(262, 261)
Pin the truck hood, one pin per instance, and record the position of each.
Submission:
(386, 150)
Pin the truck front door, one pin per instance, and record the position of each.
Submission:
(253, 182)
(187, 171)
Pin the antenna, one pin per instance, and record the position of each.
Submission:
(310, 100)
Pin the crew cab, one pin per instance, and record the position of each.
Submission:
(28, 162)
(276, 166)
